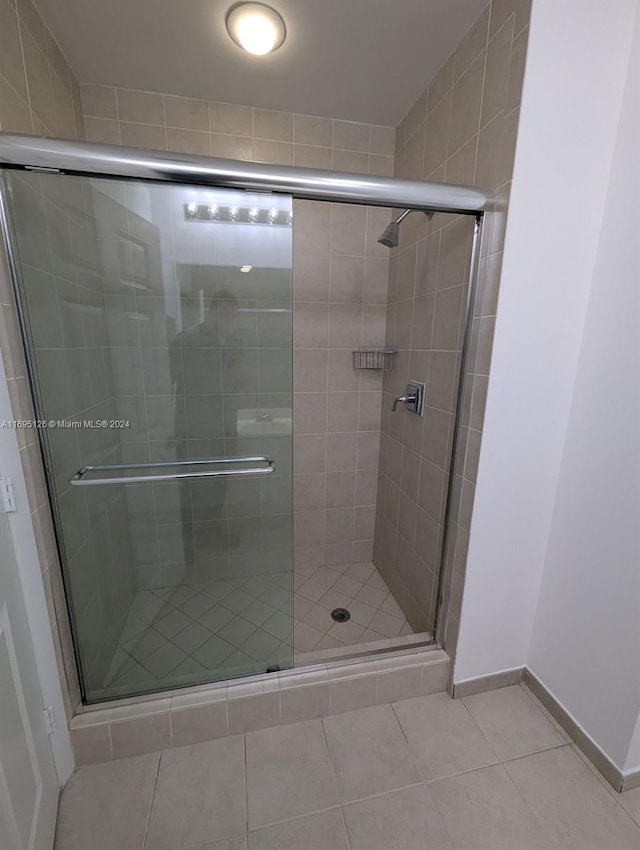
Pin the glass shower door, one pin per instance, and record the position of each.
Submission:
(158, 325)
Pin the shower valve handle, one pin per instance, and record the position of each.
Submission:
(413, 398)
(405, 399)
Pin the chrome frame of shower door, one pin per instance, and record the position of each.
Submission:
(90, 159)
(95, 160)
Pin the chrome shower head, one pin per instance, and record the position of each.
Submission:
(391, 236)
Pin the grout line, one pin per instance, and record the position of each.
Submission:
(152, 800)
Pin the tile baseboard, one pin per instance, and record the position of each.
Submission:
(470, 687)
(194, 715)
(618, 779)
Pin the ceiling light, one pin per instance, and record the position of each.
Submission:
(245, 269)
(257, 28)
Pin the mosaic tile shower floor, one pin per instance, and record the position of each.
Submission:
(175, 635)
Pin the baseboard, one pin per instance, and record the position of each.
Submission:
(469, 687)
(618, 779)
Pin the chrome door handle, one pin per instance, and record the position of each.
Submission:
(80, 479)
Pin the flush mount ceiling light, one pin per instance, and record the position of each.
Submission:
(256, 28)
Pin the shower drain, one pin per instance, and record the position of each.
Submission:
(341, 615)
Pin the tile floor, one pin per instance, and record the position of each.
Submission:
(490, 772)
(176, 636)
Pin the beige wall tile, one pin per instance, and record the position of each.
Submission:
(230, 119)
(39, 79)
(312, 130)
(104, 130)
(472, 44)
(140, 107)
(99, 101)
(312, 156)
(441, 83)
(349, 161)
(382, 140)
(11, 61)
(351, 136)
(494, 96)
(187, 113)
(279, 153)
(15, 116)
(269, 124)
(143, 136)
(231, 147)
(188, 141)
(465, 105)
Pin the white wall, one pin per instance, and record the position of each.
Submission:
(586, 637)
(28, 564)
(557, 411)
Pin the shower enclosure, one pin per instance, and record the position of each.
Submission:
(155, 300)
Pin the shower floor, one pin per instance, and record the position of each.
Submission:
(174, 635)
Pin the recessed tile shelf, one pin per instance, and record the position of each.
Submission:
(201, 714)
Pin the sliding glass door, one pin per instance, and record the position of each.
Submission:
(158, 327)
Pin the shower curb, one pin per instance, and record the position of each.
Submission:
(194, 715)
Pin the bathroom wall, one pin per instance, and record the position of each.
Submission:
(340, 277)
(38, 95)
(554, 565)
(460, 130)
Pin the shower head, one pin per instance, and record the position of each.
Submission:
(391, 236)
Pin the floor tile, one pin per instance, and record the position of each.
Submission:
(483, 810)
(260, 645)
(311, 590)
(630, 801)
(318, 618)
(215, 618)
(305, 637)
(200, 795)
(361, 612)
(288, 773)
(192, 637)
(237, 843)
(572, 803)
(171, 623)
(360, 572)
(106, 806)
(372, 596)
(512, 722)
(386, 624)
(164, 659)
(347, 633)
(369, 753)
(212, 653)
(443, 736)
(400, 820)
(324, 831)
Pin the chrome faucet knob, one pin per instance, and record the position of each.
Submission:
(405, 399)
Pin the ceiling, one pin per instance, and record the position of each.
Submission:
(359, 60)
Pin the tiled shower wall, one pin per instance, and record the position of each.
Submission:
(462, 129)
(340, 277)
(38, 95)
